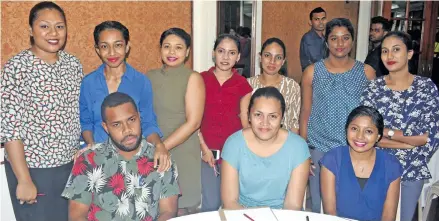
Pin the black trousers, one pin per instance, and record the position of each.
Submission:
(51, 183)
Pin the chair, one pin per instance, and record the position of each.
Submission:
(432, 193)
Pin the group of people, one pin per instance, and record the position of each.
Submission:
(355, 137)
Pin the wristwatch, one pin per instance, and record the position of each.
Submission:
(390, 133)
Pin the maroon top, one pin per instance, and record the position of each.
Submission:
(221, 111)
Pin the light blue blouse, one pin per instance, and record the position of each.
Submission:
(263, 181)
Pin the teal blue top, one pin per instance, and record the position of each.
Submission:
(263, 181)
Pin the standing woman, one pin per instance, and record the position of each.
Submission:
(331, 89)
(179, 103)
(115, 74)
(410, 107)
(272, 57)
(227, 99)
(40, 117)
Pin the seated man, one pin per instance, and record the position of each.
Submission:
(116, 180)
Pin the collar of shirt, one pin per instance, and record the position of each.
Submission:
(33, 58)
(129, 72)
(315, 35)
(233, 78)
(111, 147)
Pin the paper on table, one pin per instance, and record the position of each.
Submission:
(257, 214)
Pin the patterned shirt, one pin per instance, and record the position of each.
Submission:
(120, 189)
(334, 96)
(291, 93)
(40, 107)
(414, 111)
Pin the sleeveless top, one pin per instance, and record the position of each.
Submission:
(169, 89)
(334, 96)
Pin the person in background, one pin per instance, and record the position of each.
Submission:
(410, 107)
(379, 27)
(40, 118)
(312, 44)
(244, 34)
(115, 74)
(225, 112)
(272, 57)
(360, 181)
(264, 165)
(179, 97)
(116, 180)
(331, 89)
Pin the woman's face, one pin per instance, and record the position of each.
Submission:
(394, 54)
(226, 54)
(49, 31)
(265, 117)
(112, 48)
(272, 59)
(340, 42)
(174, 51)
(362, 134)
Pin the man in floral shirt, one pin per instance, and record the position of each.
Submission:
(116, 180)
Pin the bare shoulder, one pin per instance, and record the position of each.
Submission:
(369, 71)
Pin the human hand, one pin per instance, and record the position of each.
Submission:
(162, 155)
(26, 192)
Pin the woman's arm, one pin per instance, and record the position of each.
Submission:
(12, 109)
(306, 100)
(194, 107)
(327, 185)
(386, 143)
(297, 186)
(230, 187)
(391, 203)
(416, 141)
(245, 101)
(370, 72)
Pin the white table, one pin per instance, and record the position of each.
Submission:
(280, 214)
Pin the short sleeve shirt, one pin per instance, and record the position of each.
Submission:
(40, 107)
(352, 201)
(120, 189)
(263, 181)
(222, 108)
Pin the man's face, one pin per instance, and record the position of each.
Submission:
(318, 21)
(122, 124)
(376, 32)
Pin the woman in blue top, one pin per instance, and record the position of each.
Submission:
(112, 46)
(359, 181)
(410, 107)
(331, 89)
(264, 165)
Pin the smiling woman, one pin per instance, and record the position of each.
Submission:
(41, 130)
(112, 45)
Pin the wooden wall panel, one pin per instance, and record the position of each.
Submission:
(289, 21)
(145, 21)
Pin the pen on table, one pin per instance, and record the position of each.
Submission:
(307, 218)
(248, 217)
(41, 194)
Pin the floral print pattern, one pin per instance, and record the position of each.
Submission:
(119, 189)
(414, 111)
(40, 107)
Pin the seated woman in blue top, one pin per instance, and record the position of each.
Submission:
(359, 181)
(264, 165)
(111, 44)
